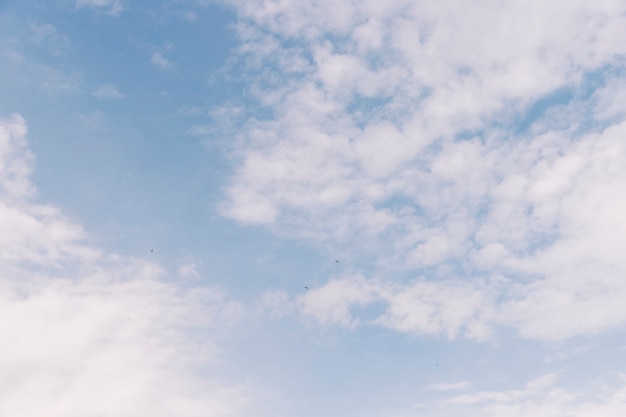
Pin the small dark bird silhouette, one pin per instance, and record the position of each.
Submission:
(336, 261)
(306, 288)
(151, 250)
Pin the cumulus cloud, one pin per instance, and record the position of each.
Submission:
(459, 145)
(93, 333)
(453, 307)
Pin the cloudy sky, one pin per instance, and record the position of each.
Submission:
(276, 208)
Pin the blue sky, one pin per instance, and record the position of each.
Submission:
(174, 174)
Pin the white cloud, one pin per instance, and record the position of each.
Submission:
(108, 91)
(559, 230)
(91, 333)
(424, 308)
(112, 7)
(159, 60)
(609, 98)
(332, 303)
(542, 397)
(17, 160)
(276, 303)
(442, 307)
(452, 386)
(189, 269)
(415, 135)
(107, 347)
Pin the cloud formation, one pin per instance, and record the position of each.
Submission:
(477, 150)
(92, 333)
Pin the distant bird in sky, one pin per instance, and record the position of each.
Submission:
(336, 261)
(151, 250)
(306, 288)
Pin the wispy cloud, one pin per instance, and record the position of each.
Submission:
(47, 34)
(112, 7)
(108, 91)
(31, 70)
(451, 386)
(200, 130)
(544, 397)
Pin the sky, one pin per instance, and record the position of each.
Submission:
(276, 208)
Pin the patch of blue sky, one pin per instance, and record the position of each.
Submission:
(136, 160)
(365, 111)
(587, 94)
(404, 205)
(569, 107)
(539, 108)
(471, 134)
(338, 367)
(146, 186)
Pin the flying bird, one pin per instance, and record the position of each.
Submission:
(306, 288)
(336, 261)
